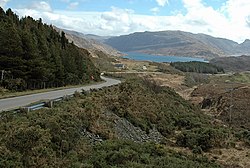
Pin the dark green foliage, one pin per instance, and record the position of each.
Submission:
(48, 138)
(129, 154)
(199, 67)
(244, 135)
(202, 139)
(165, 68)
(39, 56)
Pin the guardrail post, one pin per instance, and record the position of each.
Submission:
(85, 92)
(77, 94)
(66, 97)
(25, 109)
(49, 104)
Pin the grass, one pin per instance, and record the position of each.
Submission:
(243, 77)
(8, 94)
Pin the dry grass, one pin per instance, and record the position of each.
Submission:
(137, 66)
(231, 156)
(175, 81)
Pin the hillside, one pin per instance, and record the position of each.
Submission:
(177, 43)
(228, 102)
(129, 125)
(33, 56)
(233, 64)
(90, 42)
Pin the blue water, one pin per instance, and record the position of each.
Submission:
(157, 58)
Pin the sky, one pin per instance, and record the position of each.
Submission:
(220, 18)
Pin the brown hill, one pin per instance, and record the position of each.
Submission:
(228, 102)
(235, 64)
(89, 42)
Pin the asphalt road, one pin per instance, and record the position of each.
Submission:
(16, 102)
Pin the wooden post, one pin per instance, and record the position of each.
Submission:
(25, 109)
(2, 76)
(49, 104)
(66, 97)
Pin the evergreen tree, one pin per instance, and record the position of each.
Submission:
(2, 14)
(10, 40)
(64, 40)
(38, 56)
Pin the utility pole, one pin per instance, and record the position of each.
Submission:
(231, 105)
(2, 76)
(231, 100)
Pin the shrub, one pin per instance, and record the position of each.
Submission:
(203, 138)
(14, 84)
(244, 135)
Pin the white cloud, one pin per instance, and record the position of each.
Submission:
(192, 4)
(238, 13)
(231, 21)
(155, 10)
(117, 20)
(3, 2)
(162, 2)
(41, 6)
(205, 19)
(73, 5)
(237, 10)
(66, 1)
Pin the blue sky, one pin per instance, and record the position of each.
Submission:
(220, 18)
(166, 7)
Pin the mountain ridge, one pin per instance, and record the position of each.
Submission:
(178, 43)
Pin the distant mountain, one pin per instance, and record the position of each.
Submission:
(235, 64)
(89, 41)
(227, 47)
(178, 43)
(245, 47)
(97, 38)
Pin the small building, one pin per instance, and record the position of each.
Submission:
(144, 67)
(120, 66)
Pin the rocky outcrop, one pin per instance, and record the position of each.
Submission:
(126, 130)
(123, 129)
(93, 138)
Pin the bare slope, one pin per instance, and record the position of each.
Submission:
(90, 42)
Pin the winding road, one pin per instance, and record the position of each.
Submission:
(16, 102)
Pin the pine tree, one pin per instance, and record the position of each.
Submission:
(38, 56)
(10, 40)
